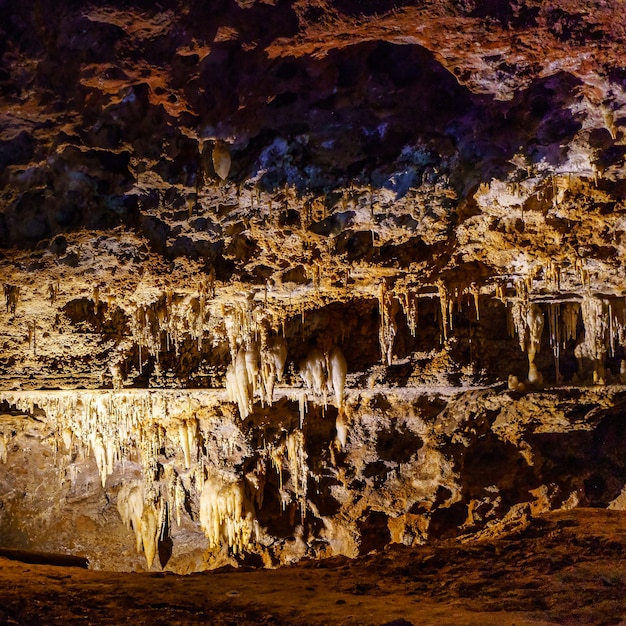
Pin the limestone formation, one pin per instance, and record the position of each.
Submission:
(300, 279)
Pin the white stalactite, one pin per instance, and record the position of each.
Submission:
(571, 311)
(595, 321)
(554, 326)
(341, 426)
(252, 357)
(144, 518)
(298, 468)
(225, 515)
(238, 385)
(273, 359)
(408, 301)
(312, 371)
(221, 160)
(337, 372)
(534, 320)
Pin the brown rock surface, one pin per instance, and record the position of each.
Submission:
(306, 278)
(565, 569)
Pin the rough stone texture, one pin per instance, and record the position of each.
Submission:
(416, 466)
(189, 188)
(565, 568)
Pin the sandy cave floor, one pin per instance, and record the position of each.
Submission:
(565, 568)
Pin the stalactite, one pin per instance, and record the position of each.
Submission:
(99, 453)
(554, 327)
(179, 498)
(144, 515)
(3, 448)
(68, 438)
(388, 308)
(571, 311)
(312, 371)
(302, 406)
(595, 321)
(500, 292)
(238, 385)
(11, 297)
(273, 359)
(277, 454)
(130, 504)
(256, 481)
(221, 159)
(337, 369)
(617, 324)
(583, 272)
(225, 514)
(534, 320)
(298, 468)
(475, 291)
(408, 301)
(552, 275)
(187, 430)
(252, 358)
(444, 305)
(517, 326)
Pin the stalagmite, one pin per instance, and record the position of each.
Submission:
(11, 297)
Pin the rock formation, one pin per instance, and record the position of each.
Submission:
(304, 278)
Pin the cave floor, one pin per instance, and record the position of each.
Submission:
(564, 568)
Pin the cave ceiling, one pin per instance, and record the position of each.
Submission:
(288, 155)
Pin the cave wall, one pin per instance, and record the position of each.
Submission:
(198, 487)
(301, 278)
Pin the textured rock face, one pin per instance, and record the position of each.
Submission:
(198, 487)
(362, 222)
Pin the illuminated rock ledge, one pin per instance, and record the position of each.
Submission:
(190, 485)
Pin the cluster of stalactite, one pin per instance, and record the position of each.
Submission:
(185, 447)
